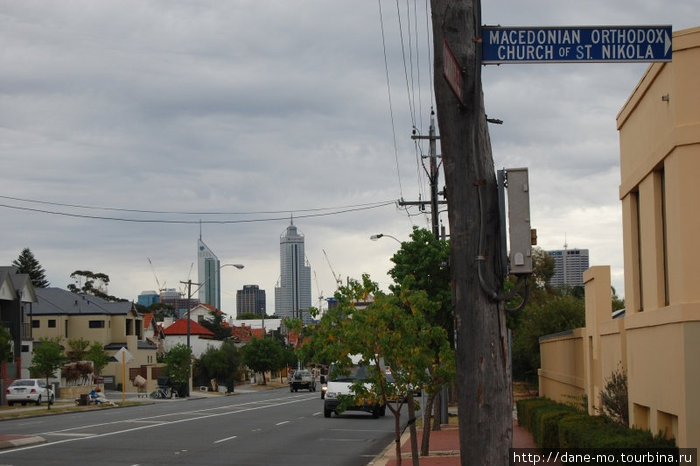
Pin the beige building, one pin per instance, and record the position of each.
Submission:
(657, 342)
(69, 316)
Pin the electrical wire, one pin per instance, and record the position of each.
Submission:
(391, 108)
(176, 212)
(200, 221)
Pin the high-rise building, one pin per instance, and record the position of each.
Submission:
(250, 300)
(569, 265)
(149, 297)
(209, 275)
(293, 291)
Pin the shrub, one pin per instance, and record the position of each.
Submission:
(614, 398)
(524, 408)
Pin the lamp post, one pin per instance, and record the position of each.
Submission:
(382, 235)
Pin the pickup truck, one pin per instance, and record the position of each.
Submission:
(302, 379)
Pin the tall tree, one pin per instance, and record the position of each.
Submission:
(264, 354)
(178, 362)
(222, 364)
(47, 358)
(27, 263)
(483, 372)
(94, 284)
(423, 264)
(216, 325)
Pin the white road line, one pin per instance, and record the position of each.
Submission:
(283, 422)
(227, 438)
(150, 426)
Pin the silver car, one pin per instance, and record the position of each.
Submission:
(28, 390)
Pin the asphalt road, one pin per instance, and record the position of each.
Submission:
(257, 428)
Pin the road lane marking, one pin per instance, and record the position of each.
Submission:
(144, 427)
(283, 422)
(226, 439)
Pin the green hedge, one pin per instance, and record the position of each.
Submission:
(555, 425)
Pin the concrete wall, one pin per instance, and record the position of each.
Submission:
(657, 343)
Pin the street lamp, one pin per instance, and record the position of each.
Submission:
(382, 235)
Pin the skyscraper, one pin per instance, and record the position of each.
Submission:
(250, 300)
(293, 291)
(569, 265)
(208, 275)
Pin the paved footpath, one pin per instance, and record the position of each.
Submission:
(444, 447)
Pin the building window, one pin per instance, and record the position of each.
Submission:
(129, 326)
(52, 323)
(36, 323)
(96, 324)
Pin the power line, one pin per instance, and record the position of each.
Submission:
(391, 108)
(176, 212)
(216, 222)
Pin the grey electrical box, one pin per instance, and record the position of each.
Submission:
(519, 228)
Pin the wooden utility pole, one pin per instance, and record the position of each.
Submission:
(483, 368)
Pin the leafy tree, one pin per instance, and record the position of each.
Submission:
(97, 355)
(539, 318)
(88, 286)
(178, 362)
(216, 325)
(264, 354)
(394, 331)
(78, 349)
(5, 344)
(27, 263)
(422, 264)
(222, 364)
(250, 316)
(47, 358)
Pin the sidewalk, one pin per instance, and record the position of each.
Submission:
(444, 446)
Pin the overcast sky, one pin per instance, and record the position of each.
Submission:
(124, 124)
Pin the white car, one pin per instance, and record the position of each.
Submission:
(24, 390)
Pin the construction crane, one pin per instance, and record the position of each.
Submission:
(338, 281)
(320, 293)
(160, 288)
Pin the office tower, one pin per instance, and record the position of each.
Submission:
(569, 265)
(149, 297)
(250, 300)
(293, 291)
(209, 276)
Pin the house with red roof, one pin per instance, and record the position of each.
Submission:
(201, 338)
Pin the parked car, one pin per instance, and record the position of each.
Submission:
(24, 390)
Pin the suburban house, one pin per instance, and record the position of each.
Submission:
(657, 342)
(201, 338)
(70, 316)
(17, 296)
